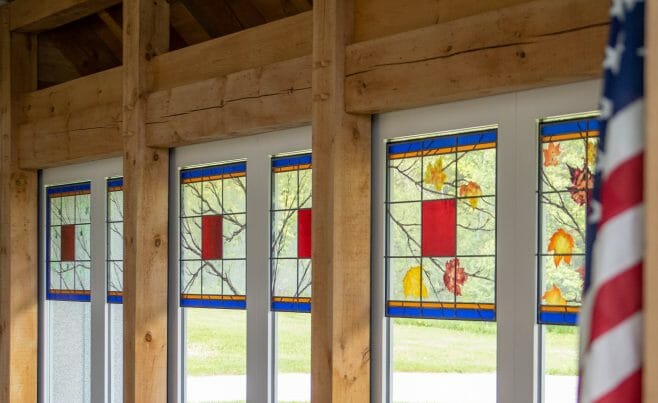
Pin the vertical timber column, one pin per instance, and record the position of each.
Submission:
(18, 226)
(340, 356)
(146, 34)
(650, 373)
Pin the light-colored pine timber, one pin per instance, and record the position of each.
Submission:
(40, 15)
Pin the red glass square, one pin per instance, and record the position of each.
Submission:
(211, 237)
(304, 233)
(68, 243)
(439, 228)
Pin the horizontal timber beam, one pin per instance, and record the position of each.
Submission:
(534, 44)
(257, 100)
(277, 41)
(40, 15)
(77, 121)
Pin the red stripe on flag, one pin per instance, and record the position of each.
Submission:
(616, 300)
(438, 228)
(211, 237)
(304, 233)
(68, 243)
(622, 189)
(630, 390)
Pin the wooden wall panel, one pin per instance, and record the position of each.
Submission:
(18, 226)
(531, 45)
(340, 324)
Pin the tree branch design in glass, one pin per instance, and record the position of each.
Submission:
(441, 227)
(213, 227)
(115, 240)
(567, 157)
(290, 218)
(68, 236)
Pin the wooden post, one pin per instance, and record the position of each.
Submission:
(650, 373)
(18, 226)
(341, 219)
(146, 34)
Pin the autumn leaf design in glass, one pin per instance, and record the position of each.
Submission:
(115, 240)
(213, 227)
(567, 162)
(290, 217)
(69, 242)
(441, 227)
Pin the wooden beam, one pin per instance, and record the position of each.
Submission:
(377, 19)
(185, 24)
(39, 15)
(18, 226)
(278, 41)
(146, 193)
(531, 45)
(83, 47)
(340, 356)
(215, 17)
(72, 122)
(650, 371)
(257, 100)
(111, 24)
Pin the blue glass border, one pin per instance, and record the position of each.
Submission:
(558, 318)
(59, 189)
(442, 313)
(567, 127)
(281, 162)
(213, 303)
(231, 168)
(465, 139)
(279, 306)
(115, 182)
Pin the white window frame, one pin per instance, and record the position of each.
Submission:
(96, 173)
(516, 115)
(257, 150)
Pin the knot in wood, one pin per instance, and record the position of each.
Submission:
(156, 156)
(158, 242)
(520, 53)
(148, 337)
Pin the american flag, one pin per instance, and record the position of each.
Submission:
(611, 319)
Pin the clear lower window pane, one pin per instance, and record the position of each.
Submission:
(293, 349)
(68, 352)
(442, 361)
(116, 353)
(560, 363)
(215, 355)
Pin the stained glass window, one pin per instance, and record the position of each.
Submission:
(68, 274)
(567, 158)
(291, 233)
(115, 240)
(213, 227)
(441, 227)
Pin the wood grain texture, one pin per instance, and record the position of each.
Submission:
(650, 373)
(376, 19)
(278, 41)
(340, 348)
(257, 100)
(40, 15)
(18, 227)
(530, 45)
(72, 122)
(146, 186)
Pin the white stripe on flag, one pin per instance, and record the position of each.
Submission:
(611, 359)
(623, 139)
(619, 245)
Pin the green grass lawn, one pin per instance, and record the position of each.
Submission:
(217, 344)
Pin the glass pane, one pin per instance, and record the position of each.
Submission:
(293, 352)
(215, 355)
(560, 364)
(68, 352)
(443, 361)
(116, 353)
